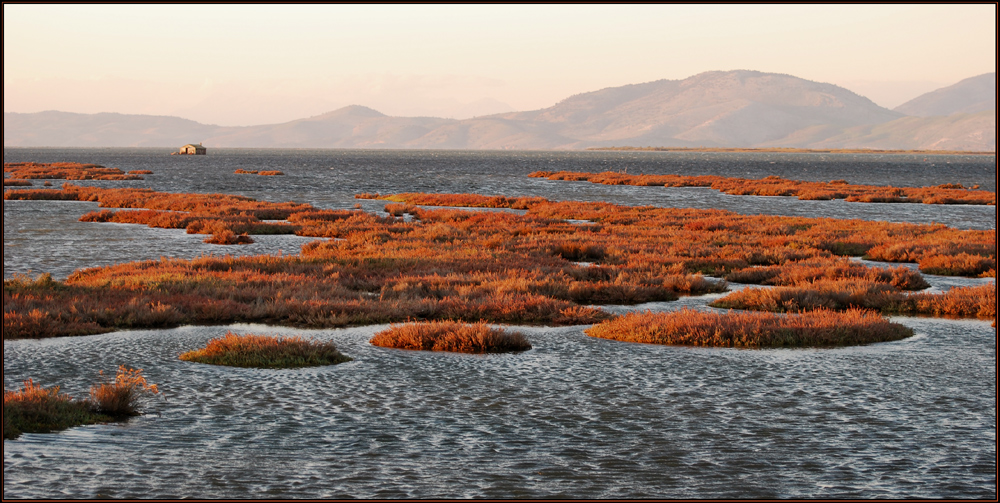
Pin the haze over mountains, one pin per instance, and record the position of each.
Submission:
(714, 109)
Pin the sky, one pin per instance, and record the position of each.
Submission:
(238, 65)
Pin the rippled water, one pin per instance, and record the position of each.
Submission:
(574, 417)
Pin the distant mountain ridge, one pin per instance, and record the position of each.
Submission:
(969, 96)
(739, 108)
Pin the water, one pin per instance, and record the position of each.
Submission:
(574, 417)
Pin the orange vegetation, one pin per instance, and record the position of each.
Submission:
(751, 330)
(451, 336)
(35, 409)
(262, 351)
(123, 395)
(256, 172)
(7, 182)
(66, 171)
(227, 218)
(140, 172)
(777, 186)
(450, 264)
(965, 302)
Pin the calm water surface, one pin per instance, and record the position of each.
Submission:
(574, 417)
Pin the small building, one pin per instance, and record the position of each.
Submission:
(193, 149)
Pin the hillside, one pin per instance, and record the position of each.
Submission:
(969, 96)
(714, 109)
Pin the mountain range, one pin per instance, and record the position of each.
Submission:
(738, 108)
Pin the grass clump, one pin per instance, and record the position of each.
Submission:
(124, 395)
(228, 237)
(34, 409)
(960, 302)
(263, 351)
(752, 329)
(451, 336)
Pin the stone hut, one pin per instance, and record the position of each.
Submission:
(193, 149)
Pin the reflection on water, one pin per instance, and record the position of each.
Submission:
(574, 417)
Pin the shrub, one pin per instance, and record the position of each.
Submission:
(452, 336)
(15, 183)
(124, 395)
(751, 330)
(262, 351)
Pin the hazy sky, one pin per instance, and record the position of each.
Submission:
(255, 64)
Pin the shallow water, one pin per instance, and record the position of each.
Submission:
(574, 417)
(44, 236)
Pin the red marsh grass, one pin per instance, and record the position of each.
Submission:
(450, 264)
(960, 302)
(66, 171)
(140, 172)
(228, 237)
(227, 218)
(777, 186)
(451, 336)
(16, 183)
(256, 172)
(264, 351)
(34, 409)
(123, 395)
(751, 330)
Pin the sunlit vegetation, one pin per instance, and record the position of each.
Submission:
(228, 219)
(538, 266)
(451, 336)
(140, 172)
(751, 330)
(123, 395)
(34, 409)
(66, 171)
(263, 351)
(7, 182)
(777, 186)
(962, 302)
(792, 150)
(256, 172)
